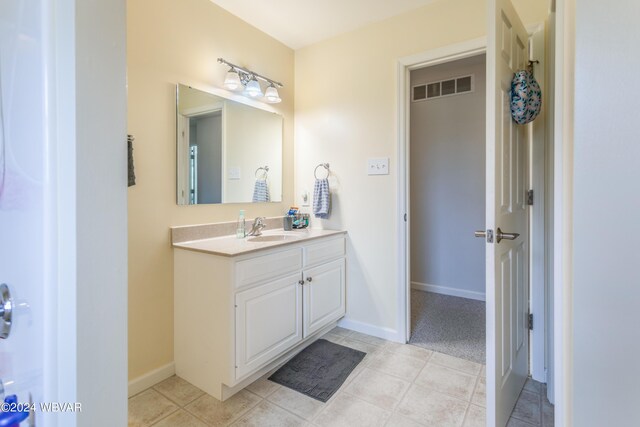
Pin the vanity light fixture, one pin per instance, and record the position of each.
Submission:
(271, 94)
(253, 88)
(232, 80)
(238, 78)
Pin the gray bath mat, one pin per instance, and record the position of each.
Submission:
(319, 370)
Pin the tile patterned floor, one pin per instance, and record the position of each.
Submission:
(395, 385)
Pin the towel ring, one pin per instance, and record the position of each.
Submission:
(324, 165)
(264, 170)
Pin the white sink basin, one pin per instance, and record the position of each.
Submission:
(273, 238)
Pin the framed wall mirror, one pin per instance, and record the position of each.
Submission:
(227, 151)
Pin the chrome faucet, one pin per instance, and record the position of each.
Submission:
(257, 227)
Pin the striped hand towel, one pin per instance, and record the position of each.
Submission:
(321, 198)
(261, 191)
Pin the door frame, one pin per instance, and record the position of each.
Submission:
(405, 65)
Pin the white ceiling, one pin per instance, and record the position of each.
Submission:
(298, 23)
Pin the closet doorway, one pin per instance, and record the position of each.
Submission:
(447, 203)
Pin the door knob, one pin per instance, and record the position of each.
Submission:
(500, 235)
(309, 279)
(6, 311)
(488, 234)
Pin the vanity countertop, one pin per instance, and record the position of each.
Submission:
(231, 246)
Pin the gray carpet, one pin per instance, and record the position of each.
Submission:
(319, 370)
(449, 325)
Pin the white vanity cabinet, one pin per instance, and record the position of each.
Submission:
(323, 296)
(268, 322)
(236, 317)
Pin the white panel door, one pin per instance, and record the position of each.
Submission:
(25, 209)
(324, 295)
(268, 322)
(507, 211)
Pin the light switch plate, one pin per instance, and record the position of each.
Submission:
(306, 199)
(233, 173)
(378, 166)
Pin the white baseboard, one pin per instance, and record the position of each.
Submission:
(152, 378)
(480, 296)
(367, 328)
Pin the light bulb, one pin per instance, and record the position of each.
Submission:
(271, 95)
(253, 88)
(232, 80)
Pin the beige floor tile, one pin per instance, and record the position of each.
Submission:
(383, 390)
(480, 393)
(267, 414)
(370, 349)
(297, 403)
(217, 413)
(367, 338)
(514, 422)
(337, 339)
(263, 387)
(476, 417)
(180, 418)
(149, 407)
(447, 380)
(432, 408)
(397, 420)
(399, 365)
(547, 414)
(348, 411)
(408, 350)
(456, 363)
(483, 371)
(356, 371)
(528, 408)
(533, 386)
(178, 390)
(340, 331)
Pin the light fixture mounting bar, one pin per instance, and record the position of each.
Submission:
(252, 73)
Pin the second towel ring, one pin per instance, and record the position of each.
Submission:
(324, 165)
(264, 170)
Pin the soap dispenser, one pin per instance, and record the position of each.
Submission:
(241, 230)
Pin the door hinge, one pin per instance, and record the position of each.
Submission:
(531, 321)
(530, 197)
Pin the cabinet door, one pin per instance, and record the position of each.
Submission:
(267, 322)
(324, 295)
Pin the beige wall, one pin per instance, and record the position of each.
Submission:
(346, 111)
(170, 42)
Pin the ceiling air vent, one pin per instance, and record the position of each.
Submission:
(442, 88)
(448, 87)
(419, 93)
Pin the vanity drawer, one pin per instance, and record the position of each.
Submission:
(262, 268)
(324, 251)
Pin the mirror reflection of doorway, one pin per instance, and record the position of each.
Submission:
(205, 158)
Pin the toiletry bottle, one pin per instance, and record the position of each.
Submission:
(241, 231)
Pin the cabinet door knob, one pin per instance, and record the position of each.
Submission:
(300, 282)
(309, 279)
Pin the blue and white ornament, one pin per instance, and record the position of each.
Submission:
(526, 97)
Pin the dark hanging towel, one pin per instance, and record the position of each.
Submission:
(132, 173)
